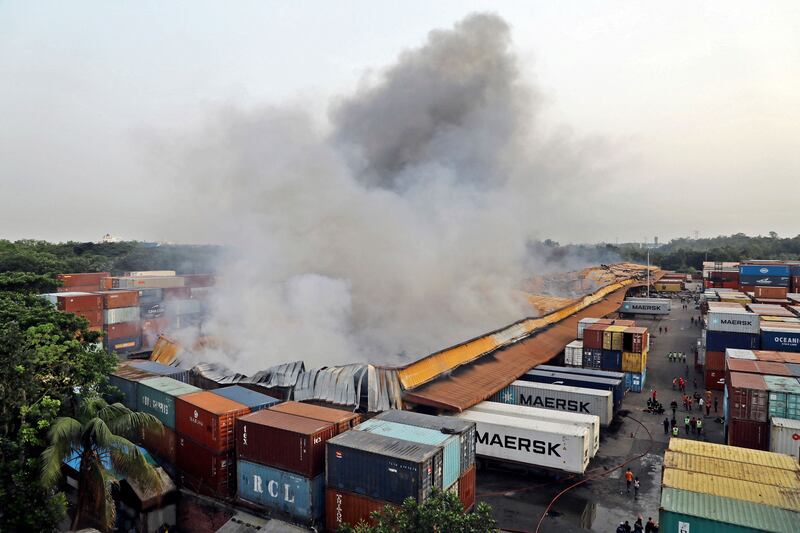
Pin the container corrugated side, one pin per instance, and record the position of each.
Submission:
(204, 471)
(343, 507)
(604, 374)
(714, 514)
(157, 397)
(343, 420)
(749, 399)
(785, 437)
(732, 469)
(121, 314)
(467, 489)
(784, 396)
(732, 488)
(734, 321)
(296, 496)
(126, 378)
(252, 399)
(208, 419)
(560, 398)
(577, 380)
(583, 323)
(634, 362)
(733, 453)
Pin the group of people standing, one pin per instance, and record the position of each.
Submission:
(638, 527)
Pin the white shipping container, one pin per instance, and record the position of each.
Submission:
(646, 306)
(784, 436)
(530, 442)
(121, 314)
(737, 353)
(151, 273)
(559, 398)
(148, 282)
(52, 297)
(734, 320)
(583, 323)
(573, 354)
(590, 422)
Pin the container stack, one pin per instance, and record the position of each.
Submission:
(618, 348)
(615, 386)
(728, 326)
(157, 396)
(573, 354)
(635, 346)
(771, 274)
(712, 487)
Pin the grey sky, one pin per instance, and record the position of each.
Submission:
(698, 103)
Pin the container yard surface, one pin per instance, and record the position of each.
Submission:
(518, 499)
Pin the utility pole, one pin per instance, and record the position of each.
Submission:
(648, 272)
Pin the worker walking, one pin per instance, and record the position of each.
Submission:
(628, 479)
(636, 489)
(666, 425)
(675, 430)
(674, 383)
(693, 423)
(715, 404)
(674, 406)
(700, 403)
(699, 426)
(686, 423)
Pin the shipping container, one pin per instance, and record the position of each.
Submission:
(124, 345)
(380, 467)
(533, 443)
(784, 396)
(82, 279)
(121, 314)
(613, 338)
(205, 471)
(732, 453)
(173, 294)
(732, 488)
(445, 424)
(636, 339)
(583, 323)
(117, 299)
(770, 310)
(592, 358)
(573, 354)
(748, 434)
(736, 353)
(560, 398)
(785, 437)
(781, 339)
(199, 280)
(445, 473)
(718, 341)
(162, 443)
(605, 374)
(255, 401)
(752, 282)
(207, 419)
(634, 381)
(288, 493)
(121, 330)
(156, 396)
(714, 379)
(467, 490)
(593, 336)
(691, 512)
(715, 360)
(590, 422)
(126, 378)
(733, 320)
(147, 282)
(157, 369)
(634, 362)
(343, 420)
(94, 317)
(153, 311)
(285, 441)
(577, 380)
(764, 270)
(725, 468)
(775, 293)
(748, 397)
(150, 273)
(73, 302)
(646, 306)
(149, 296)
(347, 508)
(611, 360)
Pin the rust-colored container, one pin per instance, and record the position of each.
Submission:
(162, 444)
(343, 507)
(343, 420)
(748, 398)
(748, 434)
(82, 302)
(593, 336)
(198, 280)
(95, 317)
(715, 361)
(116, 299)
(123, 329)
(207, 419)
(747, 288)
(82, 279)
(639, 338)
(714, 379)
(776, 293)
(176, 293)
(106, 283)
(466, 488)
(204, 471)
(77, 288)
(285, 441)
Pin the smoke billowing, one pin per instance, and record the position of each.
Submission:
(401, 228)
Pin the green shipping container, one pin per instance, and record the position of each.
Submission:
(694, 512)
(157, 397)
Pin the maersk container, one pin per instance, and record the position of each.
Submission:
(559, 398)
(445, 424)
(611, 360)
(780, 339)
(296, 496)
(734, 321)
(573, 354)
(380, 467)
(646, 306)
(590, 422)
(592, 358)
(784, 396)
(718, 341)
(535, 443)
(784, 436)
(634, 381)
(577, 380)
(252, 399)
(583, 323)
(445, 473)
(157, 397)
(682, 511)
(121, 314)
(179, 374)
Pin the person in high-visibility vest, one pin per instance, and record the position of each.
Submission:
(686, 422)
(699, 425)
(675, 431)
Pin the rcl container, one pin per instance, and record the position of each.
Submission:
(116, 299)
(157, 397)
(785, 436)
(532, 443)
(79, 302)
(204, 471)
(748, 397)
(380, 467)
(285, 441)
(348, 508)
(296, 496)
(559, 398)
(748, 434)
(343, 420)
(444, 424)
(208, 419)
(255, 401)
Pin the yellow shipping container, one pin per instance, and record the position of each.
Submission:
(733, 488)
(732, 469)
(634, 362)
(734, 453)
(668, 287)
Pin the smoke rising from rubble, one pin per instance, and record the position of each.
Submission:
(402, 228)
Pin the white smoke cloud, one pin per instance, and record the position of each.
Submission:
(400, 231)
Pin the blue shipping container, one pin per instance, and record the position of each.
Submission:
(718, 341)
(765, 281)
(780, 340)
(612, 360)
(451, 445)
(634, 381)
(252, 399)
(616, 386)
(592, 358)
(125, 345)
(153, 310)
(178, 374)
(763, 270)
(291, 494)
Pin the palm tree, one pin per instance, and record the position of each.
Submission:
(99, 434)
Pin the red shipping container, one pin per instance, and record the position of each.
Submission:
(198, 280)
(342, 507)
(715, 360)
(84, 302)
(117, 299)
(285, 441)
(775, 293)
(82, 279)
(593, 336)
(95, 317)
(107, 283)
(123, 329)
(466, 488)
(748, 398)
(207, 418)
(748, 434)
(343, 420)
(79, 288)
(714, 379)
(162, 444)
(795, 281)
(203, 471)
(639, 339)
(176, 293)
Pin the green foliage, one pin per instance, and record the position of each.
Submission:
(27, 282)
(442, 512)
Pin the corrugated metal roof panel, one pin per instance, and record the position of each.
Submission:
(734, 453)
(747, 381)
(732, 469)
(729, 511)
(732, 488)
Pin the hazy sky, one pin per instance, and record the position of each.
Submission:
(696, 104)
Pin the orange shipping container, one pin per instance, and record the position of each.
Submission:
(123, 329)
(343, 420)
(208, 419)
(466, 488)
(777, 293)
(82, 279)
(342, 507)
(82, 302)
(95, 317)
(117, 299)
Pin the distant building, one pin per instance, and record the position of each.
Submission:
(110, 238)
